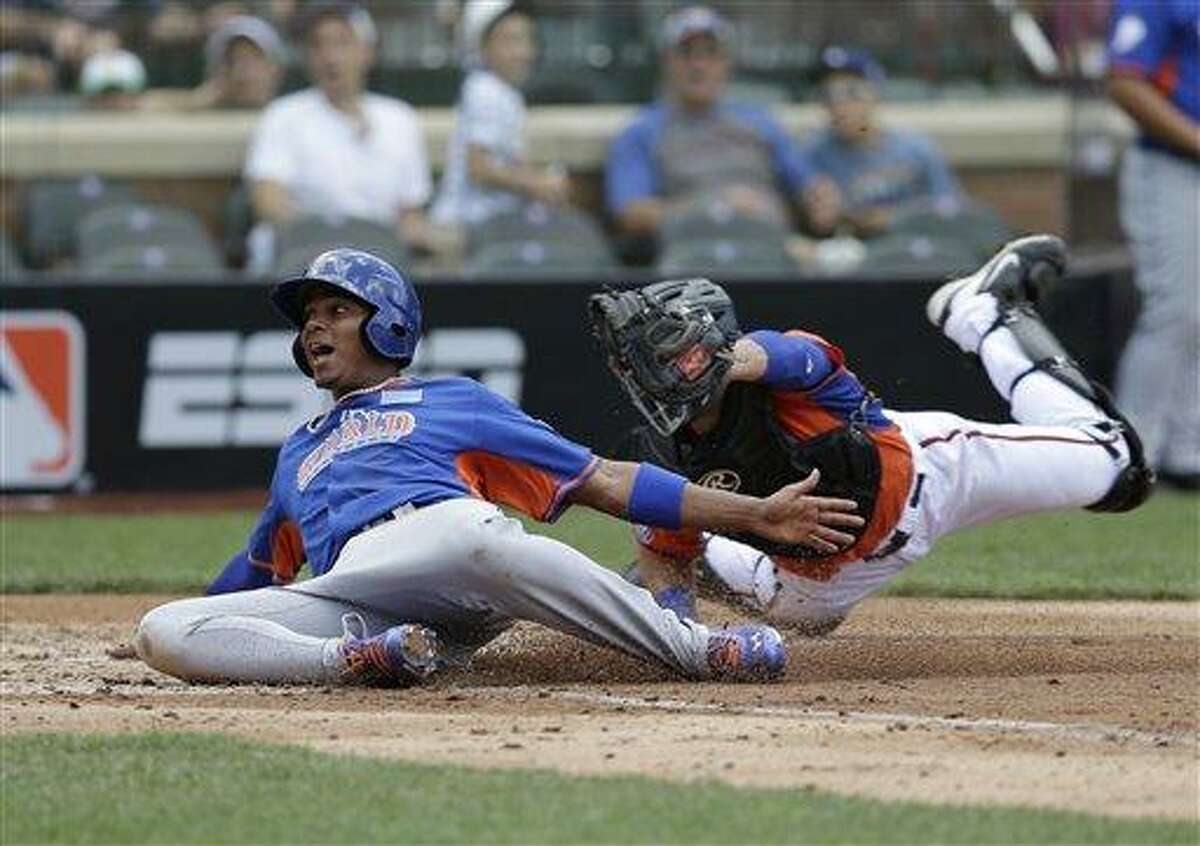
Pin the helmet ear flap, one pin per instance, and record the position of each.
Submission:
(299, 357)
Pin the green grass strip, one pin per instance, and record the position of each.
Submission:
(1151, 553)
(190, 788)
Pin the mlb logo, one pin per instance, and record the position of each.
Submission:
(41, 399)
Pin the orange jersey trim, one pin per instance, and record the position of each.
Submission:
(287, 552)
(896, 475)
(513, 483)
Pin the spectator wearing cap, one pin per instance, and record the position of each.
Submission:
(112, 79)
(336, 149)
(876, 170)
(695, 146)
(486, 169)
(245, 61)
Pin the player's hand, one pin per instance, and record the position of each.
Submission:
(823, 205)
(551, 187)
(748, 200)
(790, 515)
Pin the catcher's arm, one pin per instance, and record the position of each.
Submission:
(789, 515)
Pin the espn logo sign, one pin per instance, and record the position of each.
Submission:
(219, 389)
(42, 395)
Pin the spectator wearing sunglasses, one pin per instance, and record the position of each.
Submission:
(877, 170)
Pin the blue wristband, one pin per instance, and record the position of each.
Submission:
(657, 497)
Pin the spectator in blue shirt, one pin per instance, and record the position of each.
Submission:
(877, 170)
(1154, 75)
(694, 146)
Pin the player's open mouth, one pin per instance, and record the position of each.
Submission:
(317, 352)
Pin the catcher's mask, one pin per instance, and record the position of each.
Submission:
(668, 343)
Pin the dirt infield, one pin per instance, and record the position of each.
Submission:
(1083, 706)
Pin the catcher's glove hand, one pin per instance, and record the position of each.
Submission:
(665, 346)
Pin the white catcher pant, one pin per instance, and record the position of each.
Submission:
(460, 567)
(965, 473)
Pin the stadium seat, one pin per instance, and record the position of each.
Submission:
(718, 220)
(236, 224)
(540, 260)
(904, 255)
(138, 225)
(727, 257)
(11, 268)
(973, 224)
(154, 261)
(537, 222)
(300, 241)
(56, 206)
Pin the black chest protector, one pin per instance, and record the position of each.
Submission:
(749, 452)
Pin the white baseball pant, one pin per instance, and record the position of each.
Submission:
(460, 567)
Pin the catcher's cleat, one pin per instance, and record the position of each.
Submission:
(746, 653)
(1017, 273)
(401, 656)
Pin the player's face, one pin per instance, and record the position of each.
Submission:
(338, 59)
(851, 101)
(698, 71)
(251, 76)
(333, 345)
(511, 48)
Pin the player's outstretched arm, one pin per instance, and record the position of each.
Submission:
(650, 495)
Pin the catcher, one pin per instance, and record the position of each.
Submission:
(751, 412)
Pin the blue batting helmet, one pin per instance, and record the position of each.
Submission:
(392, 330)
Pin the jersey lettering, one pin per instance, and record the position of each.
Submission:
(358, 428)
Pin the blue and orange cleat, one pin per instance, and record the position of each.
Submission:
(746, 653)
(401, 656)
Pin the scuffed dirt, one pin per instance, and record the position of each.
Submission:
(1083, 706)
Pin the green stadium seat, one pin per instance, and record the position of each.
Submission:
(537, 222)
(154, 261)
(299, 242)
(517, 260)
(974, 225)
(54, 208)
(725, 258)
(138, 225)
(906, 255)
(719, 220)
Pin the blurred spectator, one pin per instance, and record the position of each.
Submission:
(113, 79)
(336, 149)
(876, 170)
(694, 147)
(486, 170)
(244, 59)
(24, 73)
(1154, 75)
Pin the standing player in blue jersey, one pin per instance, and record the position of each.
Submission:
(1154, 75)
(389, 497)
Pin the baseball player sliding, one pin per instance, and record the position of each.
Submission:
(389, 497)
(754, 412)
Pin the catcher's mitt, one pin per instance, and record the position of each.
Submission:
(668, 344)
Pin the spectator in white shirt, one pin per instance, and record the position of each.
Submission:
(486, 169)
(336, 149)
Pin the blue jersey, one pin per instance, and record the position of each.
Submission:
(407, 442)
(899, 168)
(1159, 41)
(666, 152)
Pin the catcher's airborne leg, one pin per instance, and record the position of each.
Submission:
(992, 313)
